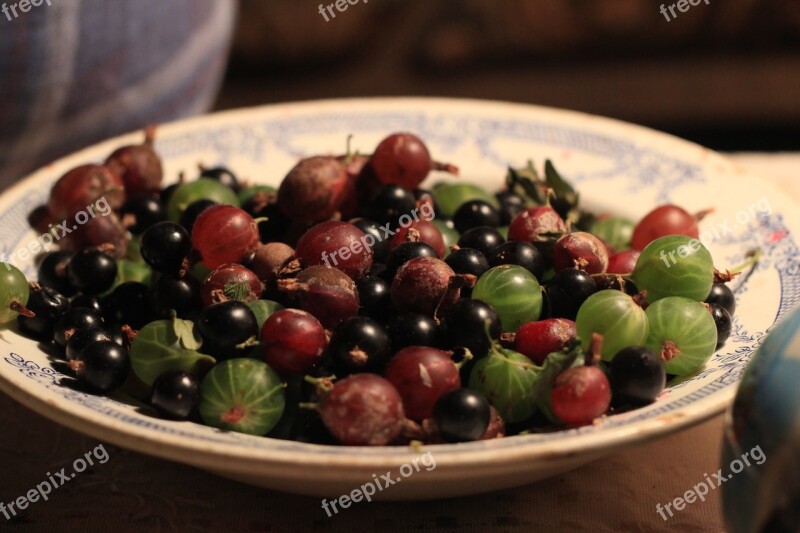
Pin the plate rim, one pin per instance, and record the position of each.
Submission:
(171, 447)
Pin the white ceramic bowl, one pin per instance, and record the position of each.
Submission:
(617, 167)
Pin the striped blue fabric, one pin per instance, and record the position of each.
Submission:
(73, 72)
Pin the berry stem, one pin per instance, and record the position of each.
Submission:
(595, 348)
(21, 309)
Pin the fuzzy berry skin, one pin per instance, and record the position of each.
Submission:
(531, 224)
(314, 189)
(580, 250)
(536, 340)
(336, 244)
(421, 286)
(82, 186)
(580, 395)
(422, 375)
(363, 410)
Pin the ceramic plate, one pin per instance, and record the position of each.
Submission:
(617, 167)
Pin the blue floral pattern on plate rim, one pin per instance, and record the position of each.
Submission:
(633, 169)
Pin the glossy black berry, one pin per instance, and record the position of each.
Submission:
(128, 304)
(519, 253)
(90, 302)
(413, 329)
(223, 175)
(390, 203)
(141, 212)
(83, 338)
(723, 321)
(722, 295)
(166, 193)
(461, 415)
(92, 271)
(165, 246)
(169, 294)
(483, 238)
(74, 320)
(225, 325)
(467, 261)
(636, 375)
(567, 291)
(192, 211)
(475, 213)
(359, 344)
(465, 325)
(102, 366)
(48, 306)
(511, 204)
(375, 299)
(175, 395)
(52, 272)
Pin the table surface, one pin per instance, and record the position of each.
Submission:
(136, 492)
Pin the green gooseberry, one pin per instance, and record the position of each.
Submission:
(450, 196)
(675, 265)
(683, 332)
(199, 189)
(614, 315)
(513, 292)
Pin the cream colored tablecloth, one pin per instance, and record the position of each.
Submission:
(133, 492)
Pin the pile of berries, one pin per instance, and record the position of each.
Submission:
(352, 306)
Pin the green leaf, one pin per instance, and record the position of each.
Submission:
(562, 189)
(508, 380)
(187, 334)
(157, 348)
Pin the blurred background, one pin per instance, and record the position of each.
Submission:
(726, 74)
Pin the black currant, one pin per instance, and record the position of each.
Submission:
(467, 261)
(91, 271)
(380, 247)
(616, 282)
(90, 302)
(359, 344)
(474, 214)
(52, 272)
(466, 324)
(636, 375)
(722, 295)
(390, 203)
(511, 204)
(375, 299)
(128, 304)
(169, 294)
(141, 212)
(83, 338)
(226, 325)
(223, 175)
(723, 321)
(165, 246)
(175, 394)
(74, 320)
(567, 291)
(519, 253)
(102, 366)
(48, 306)
(461, 415)
(413, 329)
(483, 238)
